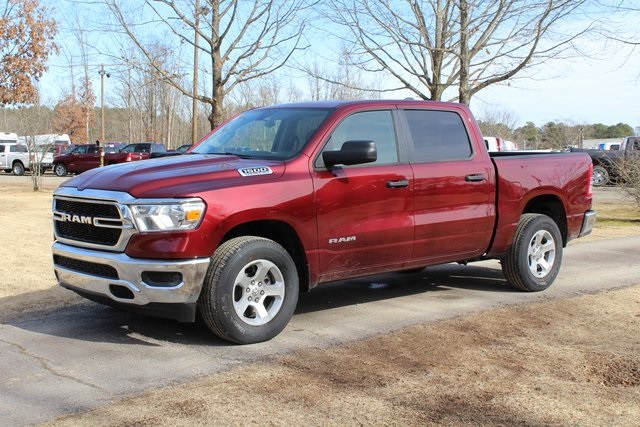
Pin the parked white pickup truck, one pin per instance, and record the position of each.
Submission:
(14, 157)
(498, 144)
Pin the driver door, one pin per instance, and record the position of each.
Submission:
(365, 212)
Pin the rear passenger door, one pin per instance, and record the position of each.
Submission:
(87, 159)
(365, 212)
(454, 187)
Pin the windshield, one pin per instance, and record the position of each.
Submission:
(277, 133)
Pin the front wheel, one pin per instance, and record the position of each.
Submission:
(18, 169)
(60, 169)
(250, 291)
(533, 261)
(600, 176)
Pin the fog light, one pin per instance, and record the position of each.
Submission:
(162, 279)
(121, 292)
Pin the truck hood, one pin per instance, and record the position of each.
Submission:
(178, 176)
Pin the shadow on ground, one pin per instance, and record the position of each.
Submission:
(88, 321)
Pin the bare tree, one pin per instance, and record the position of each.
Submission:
(629, 179)
(266, 91)
(78, 103)
(87, 97)
(621, 31)
(494, 121)
(343, 81)
(242, 40)
(32, 121)
(149, 98)
(74, 113)
(431, 46)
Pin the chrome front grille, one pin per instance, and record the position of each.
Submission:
(88, 233)
(91, 221)
(95, 208)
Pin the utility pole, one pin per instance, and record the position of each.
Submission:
(102, 74)
(129, 105)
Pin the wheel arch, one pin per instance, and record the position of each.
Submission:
(551, 206)
(20, 162)
(17, 162)
(281, 233)
(59, 163)
(607, 163)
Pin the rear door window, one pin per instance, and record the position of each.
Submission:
(438, 136)
(18, 149)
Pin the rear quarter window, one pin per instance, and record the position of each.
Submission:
(438, 136)
(18, 149)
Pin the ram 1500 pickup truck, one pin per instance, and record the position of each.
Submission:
(88, 156)
(607, 163)
(283, 198)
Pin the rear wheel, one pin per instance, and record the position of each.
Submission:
(250, 291)
(60, 169)
(600, 176)
(533, 261)
(18, 169)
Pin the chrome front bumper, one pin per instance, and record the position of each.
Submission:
(74, 269)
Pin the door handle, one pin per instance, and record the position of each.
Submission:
(402, 183)
(476, 177)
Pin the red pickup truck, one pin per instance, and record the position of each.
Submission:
(283, 198)
(87, 156)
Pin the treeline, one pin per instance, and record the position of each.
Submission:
(135, 125)
(121, 125)
(553, 135)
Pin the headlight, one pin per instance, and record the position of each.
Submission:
(170, 216)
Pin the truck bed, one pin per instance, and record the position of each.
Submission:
(523, 177)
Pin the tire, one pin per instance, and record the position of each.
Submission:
(533, 261)
(600, 176)
(18, 169)
(8, 171)
(250, 291)
(60, 169)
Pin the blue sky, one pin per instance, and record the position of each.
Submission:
(579, 91)
(599, 89)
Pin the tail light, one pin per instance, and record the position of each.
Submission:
(590, 181)
(499, 143)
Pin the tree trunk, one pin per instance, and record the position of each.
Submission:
(463, 90)
(217, 89)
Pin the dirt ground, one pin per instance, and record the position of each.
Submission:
(573, 361)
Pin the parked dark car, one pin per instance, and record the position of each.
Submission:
(606, 162)
(85, 157)
(180, 150)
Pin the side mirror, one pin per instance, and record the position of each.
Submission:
(351, 153)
